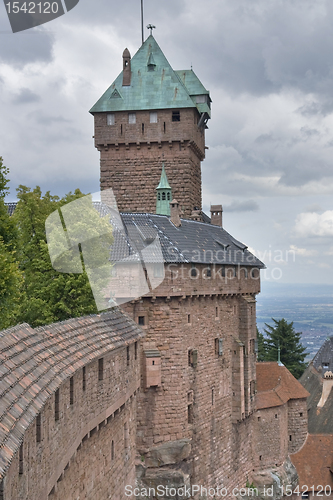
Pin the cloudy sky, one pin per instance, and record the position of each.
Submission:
(269, 67)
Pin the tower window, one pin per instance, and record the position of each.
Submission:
(163, 195)
(100, 368)
(168, 197)
(56, 404)
(21, 460)
(153, 117)
(84, 378)
(110, 119)
(209, 272)
(176, 116)
(136, 350)
(128, 355)
(190, 414)
(143, 128)
(193, 271)
(141, 320)
(164, 127)
(39, 428)
(159, 196)
(112, 450)
(71, 390)
(131, 118)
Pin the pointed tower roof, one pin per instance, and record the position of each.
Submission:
(154, 85)
(164, 183)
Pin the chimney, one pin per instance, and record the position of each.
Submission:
(174, 213)
(216, 215)
(126, 68)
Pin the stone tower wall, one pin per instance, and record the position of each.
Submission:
(131, 157)
(297, 424)
(194, 400)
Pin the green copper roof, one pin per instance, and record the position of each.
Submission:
(156, 86)
(164, 183)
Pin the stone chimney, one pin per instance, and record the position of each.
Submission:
(175, 213)
(216, 215)
(126, 68)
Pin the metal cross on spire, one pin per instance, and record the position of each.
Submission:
(151, 28)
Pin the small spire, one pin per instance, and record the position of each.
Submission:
(279, 353)
(164, 195)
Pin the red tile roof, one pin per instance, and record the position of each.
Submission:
(35, 362)
(276, 385)
(314, 461)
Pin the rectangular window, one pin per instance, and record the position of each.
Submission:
(131, 118)
(110, 119)
(136, 350)
(128, 355)
(176, 116)
(141, 320)
(39, 428)
(153, 117)
(100, 368)
(216, 312)
(219, 347)
(189, 319)
(190, 414)
(158, 270)
(84, 380)
(56, 404)
(21, 459)
(71, 390)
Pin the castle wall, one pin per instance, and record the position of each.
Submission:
(68, 461)
(297, 424)
(270, 437)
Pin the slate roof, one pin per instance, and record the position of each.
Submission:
(276, 385)
(323, 360)
(34, 363)
(193, 242)
(314, 461)
(320, 420)
(162, 88)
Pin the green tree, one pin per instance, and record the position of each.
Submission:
(10, 276)
(283, 335)
(7, 226)
(262, 346)
(48, 295)
(11, 281)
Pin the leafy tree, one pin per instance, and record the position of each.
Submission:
(283, 335)
(262, 346)
(48, 295)
(10, 276)
(7, 226)
(11, 280)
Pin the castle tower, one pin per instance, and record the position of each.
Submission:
(152, 112)
(164, 195)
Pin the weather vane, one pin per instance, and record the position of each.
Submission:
(151, 28)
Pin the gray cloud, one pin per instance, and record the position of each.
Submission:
(27, 47)
(26, 96)
(242, 206)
